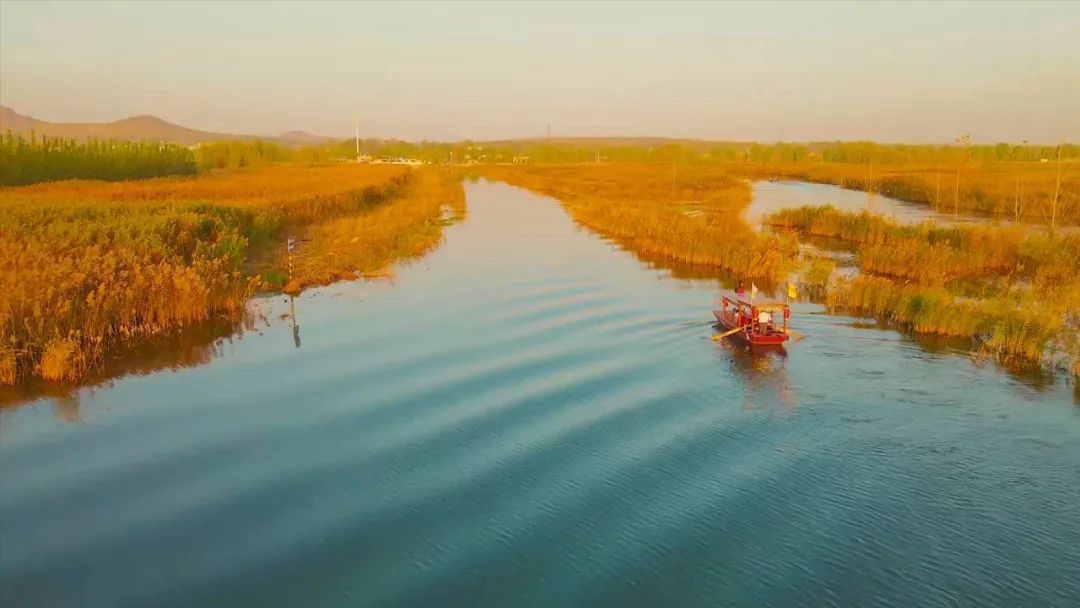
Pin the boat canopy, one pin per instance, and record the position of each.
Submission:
(766, 306)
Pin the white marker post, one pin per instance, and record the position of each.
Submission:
(289, 250)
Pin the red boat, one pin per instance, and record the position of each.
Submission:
(755, 324)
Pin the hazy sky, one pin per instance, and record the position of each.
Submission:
(894, 72)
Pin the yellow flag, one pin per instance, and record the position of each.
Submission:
(753, 291)
(792, 291)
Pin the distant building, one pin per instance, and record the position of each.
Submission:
(521, 160)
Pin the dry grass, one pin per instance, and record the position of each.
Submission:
(1016, 326)
(407, 226)
(1016, 292)
(925, 253)
(90, 268)
(688, 214)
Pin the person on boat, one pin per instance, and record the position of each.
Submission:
(740, 290)
(765, 322)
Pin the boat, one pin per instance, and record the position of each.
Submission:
(757, 324)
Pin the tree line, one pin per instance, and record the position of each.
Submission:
(584, 151)
(33, 159)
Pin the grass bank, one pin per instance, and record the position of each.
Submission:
(1015, 292)
(407, 226)
(88, 269)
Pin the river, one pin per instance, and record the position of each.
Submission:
(531, 416)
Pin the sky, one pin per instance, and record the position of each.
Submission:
(903, 72)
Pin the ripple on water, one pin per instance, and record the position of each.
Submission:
(547, 424)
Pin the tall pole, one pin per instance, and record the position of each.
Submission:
(672, 178)
(956, 193)
(870, 188)
(1057, 195)
(962, 142)
(356, 123)
(937, 192)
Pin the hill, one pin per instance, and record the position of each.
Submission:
(138, 128)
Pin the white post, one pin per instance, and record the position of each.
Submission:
(289, 248)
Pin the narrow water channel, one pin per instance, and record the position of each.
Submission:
(769, 197)
(531, 416)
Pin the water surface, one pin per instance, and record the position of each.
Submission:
(530, 416)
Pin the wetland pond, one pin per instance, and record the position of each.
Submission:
(532, 416)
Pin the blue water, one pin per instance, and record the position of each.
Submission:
(530, 416)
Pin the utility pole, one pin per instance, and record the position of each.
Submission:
(1016, 202)
(673, 178)
(356, 123)
(956, 194)
(937, 192)
(870, 189)
(962, 142)
(1057, 195)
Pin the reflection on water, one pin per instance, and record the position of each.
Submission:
(295, 325)
(194, 346)
(763, 371)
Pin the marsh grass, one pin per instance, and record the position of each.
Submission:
(1016, 292)
(407, 226)
(91, 268)
(925, 252)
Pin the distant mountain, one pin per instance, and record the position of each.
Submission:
(143, 127)
(303, 138)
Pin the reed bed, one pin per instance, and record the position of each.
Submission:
(1017, 326)
(689, 215)
(405, 227)
(91, 268)
(301, 193)
(1016, 292)
(924, 252)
